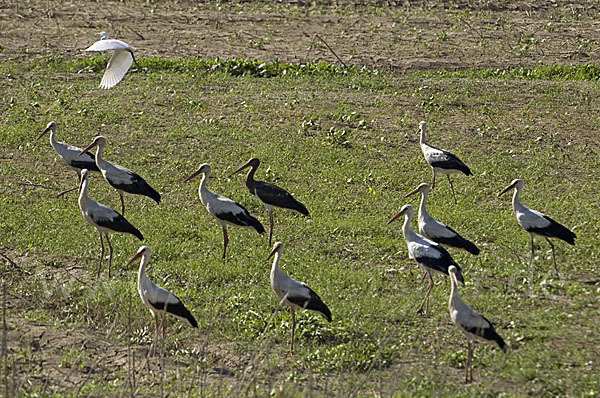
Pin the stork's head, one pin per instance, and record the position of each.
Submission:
(204, 169)
(99, 141)
(143, 251)
(84, 177)
(516, 183)
(424, 188)
(277, 248)
(49, 127)
(406, 210)
(254, 162)
(452, 272)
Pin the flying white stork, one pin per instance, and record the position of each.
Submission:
(224, 210)
(441, 161)
(119, 177)
(473, 325)
(537, 223)
(430, 255)
(293, 293)
(68, 154)
(123, 56)
(158, 300)
(270, 194)
(103, 218)
(435, 230)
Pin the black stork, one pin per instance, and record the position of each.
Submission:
(68, 154)
(441, 161)
(430, 255)
(293, 293)
(537, 223)
(103, 218)
(270, 194)
(119, 177)
(224, 210)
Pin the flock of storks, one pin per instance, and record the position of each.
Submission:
(426, 247)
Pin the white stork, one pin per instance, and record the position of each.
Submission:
(430, 255)
(157, 299)
(293, 293)
(224, 210)
(473, 325)
(435, 230)
(123, 56)
(537, 223)
(68, 154)
(119, 177)
(103, 218)
(270, 194)
(441, 161)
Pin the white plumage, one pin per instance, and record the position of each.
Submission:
(123, 57)
(159, 300)
(435, 230)
(103, 218)
(471, 323)
(430, 255)
(69, 155)
(440, 160)
(224, 210)
(119, 177)
(293, 293)
(537, 223)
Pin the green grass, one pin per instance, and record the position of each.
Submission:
(344, 142)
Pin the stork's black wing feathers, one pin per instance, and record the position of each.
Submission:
(488, 334)
(119, 224)
(458, 242)
(555, 230)
(178, 310)
(89, 164)
(450, 162)
(441, 264)
(138, 186)
(313, 303)
(243, 219)
(273, 195)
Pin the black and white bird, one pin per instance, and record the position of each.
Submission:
(537, 223)
(123, 56)
(119, 177)
(158, 300)
(435, 230)
(471, 323)
(68, 154)
(441, 161)
(270, 194)
(430, 255)
(103, 218)
(293, 293)
(224, 210)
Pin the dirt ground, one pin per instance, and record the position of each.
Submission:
(398, 35)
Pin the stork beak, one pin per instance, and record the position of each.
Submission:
(401, 212)
(87, 148)
(508, 188)
(137, 255)
(411, 193)
(272, 253)
(43, 132)
(240, 169)
(194, 174)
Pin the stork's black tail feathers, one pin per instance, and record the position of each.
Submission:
(256, 224)
(561, 232)
(180, 311)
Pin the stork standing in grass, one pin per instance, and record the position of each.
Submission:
(158, 300)
(119, 177)
(68, 154)
(123, 56)
(224, 210)
(441, 161)
(471, 323)
(430, 255)
(270, 194)
(537, 223)
(293, 293)
(435, 230)
(103, 218)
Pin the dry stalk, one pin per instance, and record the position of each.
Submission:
(4, 339)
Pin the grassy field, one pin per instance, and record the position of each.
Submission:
(345, 143)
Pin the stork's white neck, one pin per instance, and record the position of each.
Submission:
(409, 234)
(203, 191)
(275, 270)
(142, 271)
(53, 141)
(423, 206)
(83, 194)
(423, 136)
(454, 296)
(99, 160)
(516, 203)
